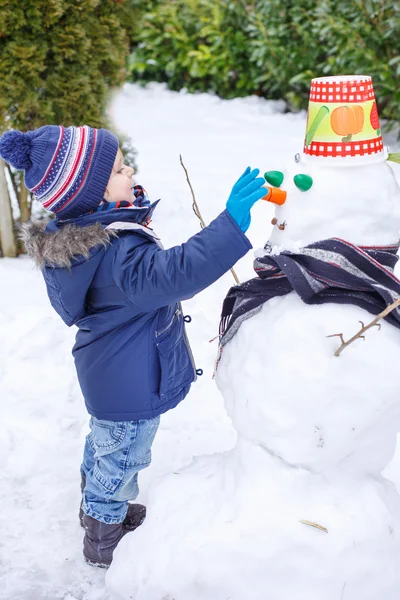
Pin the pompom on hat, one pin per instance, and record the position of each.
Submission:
(66, 168)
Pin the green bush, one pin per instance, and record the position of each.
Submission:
(268, 47)
(59, 58)
(198, 44)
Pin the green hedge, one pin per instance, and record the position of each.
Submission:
(271, 48)
(59, 58)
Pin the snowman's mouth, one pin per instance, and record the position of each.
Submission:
(282, 226)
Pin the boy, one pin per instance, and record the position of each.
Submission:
(107, 273)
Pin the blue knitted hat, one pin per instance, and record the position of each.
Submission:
(66, 168)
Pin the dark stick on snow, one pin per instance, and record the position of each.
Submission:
(364, 328)
(344, 587)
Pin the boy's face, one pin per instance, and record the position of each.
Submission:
(119, 186)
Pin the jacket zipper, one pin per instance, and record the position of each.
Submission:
(176, 314)
(185, 338)
(188, 348)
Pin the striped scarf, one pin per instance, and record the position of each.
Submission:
(331, 270)
(141, 200)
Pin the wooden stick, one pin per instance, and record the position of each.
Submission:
(312, 524)
(7, 233)
(195, 206)
(197, 212)
(364, 328)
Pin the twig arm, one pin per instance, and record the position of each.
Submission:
(195, 206)
(364, 328)
(197, 212)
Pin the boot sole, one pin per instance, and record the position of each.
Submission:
(93, 563)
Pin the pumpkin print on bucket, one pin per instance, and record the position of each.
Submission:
(347, 121)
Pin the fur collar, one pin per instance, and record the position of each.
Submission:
(59, 248)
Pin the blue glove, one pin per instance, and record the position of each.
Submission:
(246, 191)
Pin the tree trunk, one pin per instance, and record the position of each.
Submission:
(24, 205)
(7, 233)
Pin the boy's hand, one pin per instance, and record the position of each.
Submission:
(246, 191)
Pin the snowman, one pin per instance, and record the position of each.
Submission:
(299, 509)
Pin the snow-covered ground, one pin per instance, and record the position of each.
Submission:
(43, 418)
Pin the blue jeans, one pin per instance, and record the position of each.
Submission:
(115, 451)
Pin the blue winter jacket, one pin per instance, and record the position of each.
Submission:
(111, 278)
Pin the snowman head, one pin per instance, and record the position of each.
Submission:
(359, 203)
(341, 186)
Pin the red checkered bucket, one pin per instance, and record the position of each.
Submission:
(343, 121)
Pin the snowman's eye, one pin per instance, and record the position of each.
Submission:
(275, 178)
(303, 182)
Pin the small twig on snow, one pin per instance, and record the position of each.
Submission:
(312, 524)
(364, 328)
(197, 212)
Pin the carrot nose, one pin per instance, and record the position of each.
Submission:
(275, 195)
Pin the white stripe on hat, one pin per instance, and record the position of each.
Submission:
(75, 157)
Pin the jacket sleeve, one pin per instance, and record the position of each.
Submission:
(152, 277)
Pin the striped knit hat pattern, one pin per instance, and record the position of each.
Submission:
(66, 168)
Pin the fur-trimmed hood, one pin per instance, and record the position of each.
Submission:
(59, 248)
(57, 244)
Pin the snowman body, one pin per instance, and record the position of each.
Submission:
(335, 420)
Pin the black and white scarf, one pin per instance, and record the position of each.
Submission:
(331, 270)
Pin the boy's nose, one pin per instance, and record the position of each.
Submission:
(131, 171)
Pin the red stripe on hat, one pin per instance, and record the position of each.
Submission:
(73, 170)
(86, 172)
(60, 140)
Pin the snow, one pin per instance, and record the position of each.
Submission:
(235, 531)
(44, 420)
